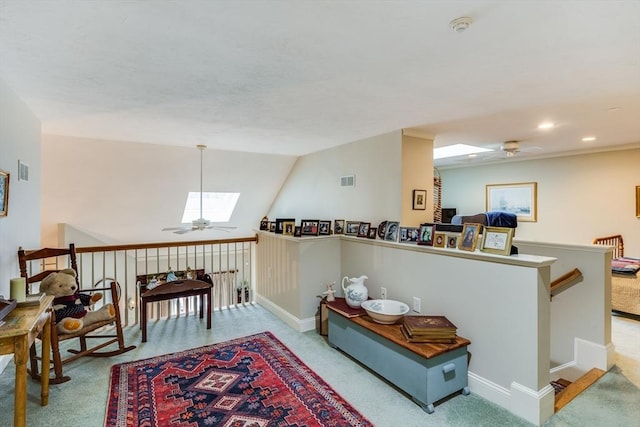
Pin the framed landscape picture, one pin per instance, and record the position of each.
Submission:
(520, 199)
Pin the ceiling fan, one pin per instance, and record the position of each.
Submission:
(200, 223)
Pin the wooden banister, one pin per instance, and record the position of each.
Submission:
(565, 281)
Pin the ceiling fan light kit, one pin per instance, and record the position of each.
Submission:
(460, 25)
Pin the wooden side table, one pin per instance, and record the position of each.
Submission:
(17, 335)
(175, 289)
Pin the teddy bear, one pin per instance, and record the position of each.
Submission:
(70, 306)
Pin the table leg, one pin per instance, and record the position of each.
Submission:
(21, 353)
(201, 298)
(46, 353)
(143, 320)
(209, 309)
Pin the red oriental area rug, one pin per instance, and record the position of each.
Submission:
(253, 381)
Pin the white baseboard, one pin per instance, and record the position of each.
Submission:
(530, 405)
(590, 355)
(300, 325)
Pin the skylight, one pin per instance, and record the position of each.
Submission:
(457, 150)
(216, 207)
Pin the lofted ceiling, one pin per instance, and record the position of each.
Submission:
(295, 77)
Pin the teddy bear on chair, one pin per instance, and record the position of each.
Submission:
(70, 306)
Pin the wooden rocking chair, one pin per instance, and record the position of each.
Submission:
(27, 260)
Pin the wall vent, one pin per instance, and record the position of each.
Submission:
(348, 181)
(23, 171)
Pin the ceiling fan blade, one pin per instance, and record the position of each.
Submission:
(174, 228)
(183, 231)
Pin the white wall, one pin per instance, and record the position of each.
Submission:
(19, 140)
(125, 192)
(313, 191)
(579, 197)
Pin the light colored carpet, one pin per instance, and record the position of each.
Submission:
(613, 400)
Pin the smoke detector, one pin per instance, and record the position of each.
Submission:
(459, 25)
(510, 147)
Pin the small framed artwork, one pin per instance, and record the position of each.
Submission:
(408, 234)
(272, 226)
(439, 240)
(452, 242)
(288, 228)
(310, 227)
(426, 234)
(352, 228)
(280, 222)
(520, 199)
(372, 232)
(338, 226)
(363, 229)
(497, 240)
(4, 192)
(469, 238)
(392, 231)
(297, 232)
(419, 200)
(264, 224)
(324, 228)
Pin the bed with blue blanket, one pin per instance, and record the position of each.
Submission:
(625, 277)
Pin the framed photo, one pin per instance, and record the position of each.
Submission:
(264, 224)
(419, 200)
(297, 232)
(363, 229)
(4, 192)
(324, 228)
(469, 238)
(497, 240)
(372, 232)
(338, 226)
(288, 228)
(439, 239)
(408, 234)
(272, 226)
(352, 228)
(638, 201)
(310, 227)
(520, 199)
(392, 231)
(280, 222)
(426, 234)
(452, 242)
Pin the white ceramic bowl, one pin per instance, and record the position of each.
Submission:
(385, 311)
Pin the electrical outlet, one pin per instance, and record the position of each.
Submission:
(416, 304)
(383, 293)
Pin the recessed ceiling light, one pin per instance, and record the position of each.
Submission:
(546, 125)
(457, 150)
(588, 138)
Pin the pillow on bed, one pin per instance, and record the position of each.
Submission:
(625, 265)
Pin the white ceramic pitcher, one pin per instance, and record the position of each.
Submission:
(356, 292)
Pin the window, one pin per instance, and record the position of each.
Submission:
(216, 207)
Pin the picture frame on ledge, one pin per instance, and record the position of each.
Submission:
(372, 232)
(392, 231)
(338, 226)
(363, 229)
(352, 228)
(288, 228)
(469, 237)
(425, 236)
(280, 222)
(297, 232)
(497, 240)
(324, 228)
(310, 227)
(408, 234)
(439, 240)
(452, 242)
